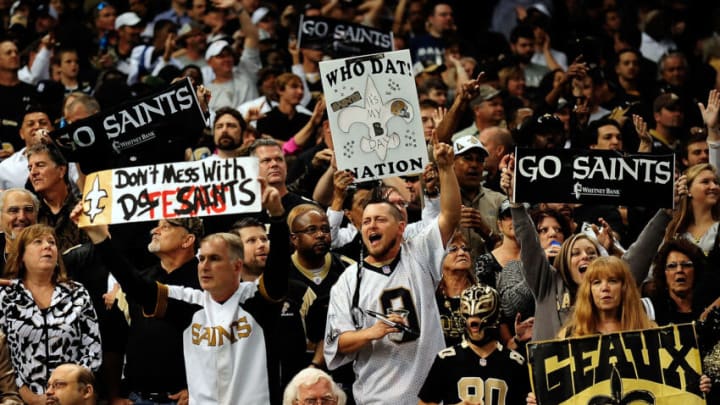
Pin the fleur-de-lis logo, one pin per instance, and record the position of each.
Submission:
(617, 397)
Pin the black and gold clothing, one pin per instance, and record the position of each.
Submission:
(459, 374)
(451, 320)
(67, 232)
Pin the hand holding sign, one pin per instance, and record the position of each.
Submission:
(507, 181)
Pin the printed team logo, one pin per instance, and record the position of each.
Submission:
(375, 115)
(97, 197)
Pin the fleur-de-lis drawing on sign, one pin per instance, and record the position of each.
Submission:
(617, 397)
(375, 115)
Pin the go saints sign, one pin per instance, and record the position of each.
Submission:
(591, 176)
(648, 367)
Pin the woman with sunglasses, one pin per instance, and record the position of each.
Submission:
(457, 275)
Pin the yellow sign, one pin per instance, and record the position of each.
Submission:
(654, 366)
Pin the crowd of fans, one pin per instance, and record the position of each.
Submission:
(422, 288)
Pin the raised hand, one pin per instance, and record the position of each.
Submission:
(643, 134)
(507, 168)
(710, 113)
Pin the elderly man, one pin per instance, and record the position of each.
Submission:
(71, 384)
(382, 312)
(18, 210)
(226, 335)
(313, 386)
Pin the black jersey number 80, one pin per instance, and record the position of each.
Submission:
(401, 298)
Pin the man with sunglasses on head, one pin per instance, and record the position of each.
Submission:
(382, 314)
(480, 369)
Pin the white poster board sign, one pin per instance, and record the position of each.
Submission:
(374, 115)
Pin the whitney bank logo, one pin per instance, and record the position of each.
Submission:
(579, 190)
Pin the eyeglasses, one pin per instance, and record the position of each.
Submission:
(56, 385)
(313, 230)
(455, 248)
(326, 400)
(673, 266)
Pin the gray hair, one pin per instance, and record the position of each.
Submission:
(233, 242)
(33, 197)
(307, 377)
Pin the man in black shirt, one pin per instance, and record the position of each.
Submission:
(154, 366)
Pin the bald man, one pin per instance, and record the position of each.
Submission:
(71, 384)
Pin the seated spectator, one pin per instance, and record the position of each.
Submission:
(313, 386)
(40, 289)
(71, 384)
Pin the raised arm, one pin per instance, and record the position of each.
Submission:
(448, 125)
(450, 200)
(536, 267)
(141, 289)
(274, 281)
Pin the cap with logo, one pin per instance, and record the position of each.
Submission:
(466, 143)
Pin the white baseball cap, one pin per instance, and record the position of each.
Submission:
(216, 48)
(467, 142)
(128, 19)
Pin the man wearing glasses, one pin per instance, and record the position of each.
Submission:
(71, 384)
(382, 314)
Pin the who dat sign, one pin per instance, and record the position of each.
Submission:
(374, 115)
(174, 190)
(594, 176)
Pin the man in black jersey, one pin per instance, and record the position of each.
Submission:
(478, 370)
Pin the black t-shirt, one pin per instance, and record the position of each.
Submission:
(13, 102)
(280, 126)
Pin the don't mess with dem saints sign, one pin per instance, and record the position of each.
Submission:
(592, 176)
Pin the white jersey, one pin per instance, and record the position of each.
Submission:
(224, 349)
(391, 370)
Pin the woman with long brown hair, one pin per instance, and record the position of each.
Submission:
(607, 301)
(48, 319)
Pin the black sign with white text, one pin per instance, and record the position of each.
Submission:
(593, 176)
(340, 38)
(154, 129)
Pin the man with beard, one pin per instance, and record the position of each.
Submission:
(154, 369)
(382, 317)
(229, 132)
(18, 210)
(522, 45)
(480, 369)
(669, 117)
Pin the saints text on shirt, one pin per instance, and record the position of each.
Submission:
(217, 335)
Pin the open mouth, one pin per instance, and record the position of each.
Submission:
(582, 268)
(374, 237)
